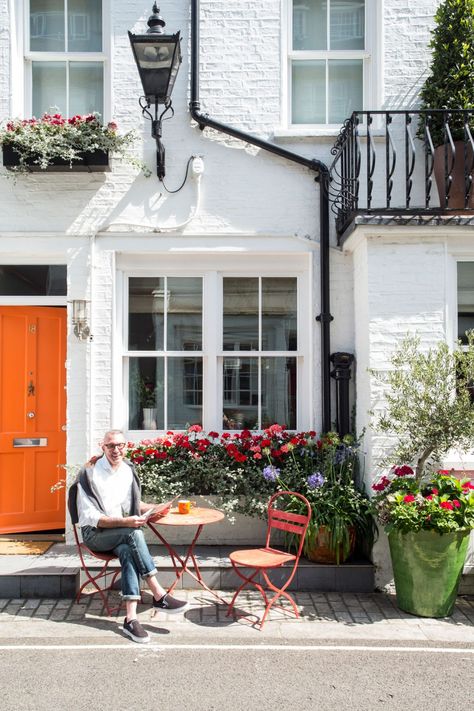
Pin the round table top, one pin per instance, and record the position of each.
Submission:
(198, 516)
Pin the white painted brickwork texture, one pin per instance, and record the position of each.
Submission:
(380, 289)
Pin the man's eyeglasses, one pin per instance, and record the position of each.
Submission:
(112, 445)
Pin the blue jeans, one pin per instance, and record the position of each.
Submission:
(129, 544)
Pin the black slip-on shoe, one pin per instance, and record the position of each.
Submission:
(135, 631)
(170, 604)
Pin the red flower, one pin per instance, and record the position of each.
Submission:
(265, 442)
(381, 484)
(214, 435)
(408, 499)
(456, 503)
(429, 497)
(467, 485)
(112, 126)
(404, 470)
(245, 434)
(435, 491)
(447, 505)
(311, 434)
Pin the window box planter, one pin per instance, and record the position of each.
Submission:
(94, 162)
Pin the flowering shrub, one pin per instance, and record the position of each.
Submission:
(439, 503)
(244, 469)
(41, 141)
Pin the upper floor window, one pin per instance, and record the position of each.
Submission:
(465, 279)
(330, 48)
(65, 56)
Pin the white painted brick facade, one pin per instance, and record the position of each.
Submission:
(382, 285)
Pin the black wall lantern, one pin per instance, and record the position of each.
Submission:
(158, 57)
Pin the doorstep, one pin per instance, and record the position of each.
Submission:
(56, 573)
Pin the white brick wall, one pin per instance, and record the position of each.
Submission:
(244, 192)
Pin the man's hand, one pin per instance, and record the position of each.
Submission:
(134, 522)
(93, 460)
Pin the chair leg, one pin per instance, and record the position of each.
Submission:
(279, 592)
(247, 581)
(92, 579)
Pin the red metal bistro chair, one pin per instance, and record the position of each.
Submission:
(262, 560)
(92, 578)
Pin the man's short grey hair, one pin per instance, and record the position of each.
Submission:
(110, 433)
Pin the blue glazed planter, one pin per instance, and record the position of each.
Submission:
(427, 569)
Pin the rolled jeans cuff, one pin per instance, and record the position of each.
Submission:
(148, 575)
(131, 597)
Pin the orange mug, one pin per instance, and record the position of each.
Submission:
(185, 506)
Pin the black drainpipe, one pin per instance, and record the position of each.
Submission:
(322, 178)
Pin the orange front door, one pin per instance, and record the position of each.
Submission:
(32, 417)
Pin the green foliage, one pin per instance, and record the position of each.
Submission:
(450, 82)
(429, 404)
(41, 141)
(440, 502)
(245, 469)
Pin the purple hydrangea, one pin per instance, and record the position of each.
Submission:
(315, 480)
(271, 473)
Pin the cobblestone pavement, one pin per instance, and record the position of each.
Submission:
(323, 615)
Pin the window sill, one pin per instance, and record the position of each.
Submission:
(95, 162)
(330, 133)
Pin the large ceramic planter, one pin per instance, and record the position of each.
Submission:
(93, 162)
(427, 568)
(321, 552)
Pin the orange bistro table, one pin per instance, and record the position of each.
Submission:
(199, 517)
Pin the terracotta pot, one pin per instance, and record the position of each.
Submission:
(321, 551)
(457, 191)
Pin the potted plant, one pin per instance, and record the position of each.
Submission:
(428, 516)
(148, 397)
(341, 513)
(450, 86)
(55, 142)
(244, 469)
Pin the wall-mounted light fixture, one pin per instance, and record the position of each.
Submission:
(80, 320)
(158, 57)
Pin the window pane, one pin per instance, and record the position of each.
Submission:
(84, 25)
(465, 299)
(49, 87)
(347, 24)
(279, 392)
(29, 280)
(309, 92)
(184, 392)
(310, 24)
(47, 26)
(279, 314)
(146, 394)
(146, 314)
(184, 304)
(240, 377)
(240, 314)
(345, 88)
(86, 88)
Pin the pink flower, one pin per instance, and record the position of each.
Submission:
(456, 503)
(112, 126)
(257, 455)
(274, 429)
(429, 497)
(195, 428)
(435, 491)
(408, 499)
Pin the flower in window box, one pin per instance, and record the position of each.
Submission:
(53, 139)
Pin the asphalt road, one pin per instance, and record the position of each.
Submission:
(60, 675)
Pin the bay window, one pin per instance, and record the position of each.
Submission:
(214, 349)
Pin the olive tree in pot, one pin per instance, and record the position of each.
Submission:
(448, 97)
(427, 513)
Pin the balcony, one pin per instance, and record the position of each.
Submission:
(403, 167)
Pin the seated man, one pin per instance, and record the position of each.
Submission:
(106, 497)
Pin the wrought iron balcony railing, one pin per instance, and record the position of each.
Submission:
(403, 162)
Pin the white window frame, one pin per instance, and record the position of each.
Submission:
(23, 58)
(371, 57)
(212, 272)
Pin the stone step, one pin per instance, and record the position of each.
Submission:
(56, 573)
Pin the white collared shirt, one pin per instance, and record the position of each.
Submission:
(115, 489)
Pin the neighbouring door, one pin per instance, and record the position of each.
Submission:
(32, 417)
